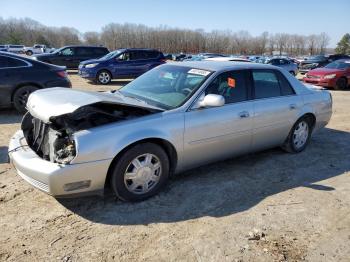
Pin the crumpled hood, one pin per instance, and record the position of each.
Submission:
(46, 103)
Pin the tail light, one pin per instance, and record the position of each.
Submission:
(62, 74)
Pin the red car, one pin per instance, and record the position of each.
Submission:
(335, 75)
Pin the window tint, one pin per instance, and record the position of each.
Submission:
(84, 51)
(100, 51)
(231, 85)
(152, 54)
(286, 88)
(266, 84)
(68, 51)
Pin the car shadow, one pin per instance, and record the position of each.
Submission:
(227, 187)
(10, 116)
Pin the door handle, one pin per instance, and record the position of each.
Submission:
(243, 114)
(292, 106)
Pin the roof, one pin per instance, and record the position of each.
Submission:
(221, 66)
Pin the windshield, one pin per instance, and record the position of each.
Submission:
(338, 65)
(112, 54)
(317, 57)
(167, 86)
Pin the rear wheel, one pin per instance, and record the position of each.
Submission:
(103, 77)
(341, 84)
(29, 53)
(21, 96)
(140, 173)
(299, 136)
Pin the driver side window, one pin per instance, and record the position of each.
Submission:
(231, 85)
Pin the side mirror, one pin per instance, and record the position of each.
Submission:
(210, 100)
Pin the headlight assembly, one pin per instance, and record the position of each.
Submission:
(331, 76)
(91, 65)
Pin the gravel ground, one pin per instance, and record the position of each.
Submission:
(268, 206)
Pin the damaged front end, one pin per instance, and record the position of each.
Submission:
(54, 140)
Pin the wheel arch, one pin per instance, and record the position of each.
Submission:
(163, 143)
(22, 85)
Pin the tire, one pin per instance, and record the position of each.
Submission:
(341, 84)
(29, 53)
(298, 140)
(20, 97)
(152, 175)
(104, 77)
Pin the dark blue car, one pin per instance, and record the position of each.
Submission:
(121, 63)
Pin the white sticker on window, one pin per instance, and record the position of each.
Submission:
(199, 72)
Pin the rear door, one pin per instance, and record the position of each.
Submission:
(66, 57)
(220, 132)
(276, 108)
(10, 74)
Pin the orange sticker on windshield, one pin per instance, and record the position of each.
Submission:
(231, 82)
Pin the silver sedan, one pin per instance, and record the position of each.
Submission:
(173, 118)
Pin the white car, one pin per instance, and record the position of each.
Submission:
(225, 59)
(36, 49)
(19, 49)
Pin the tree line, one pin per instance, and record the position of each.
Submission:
(27, 31)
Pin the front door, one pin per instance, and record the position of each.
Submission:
(220, 132)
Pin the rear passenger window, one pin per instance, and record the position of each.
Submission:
(286, 88)
(231, 85)
(84, 51)
(266, 84)
(152, 54)
(100, 51)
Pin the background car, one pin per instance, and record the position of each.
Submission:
(122, 63)
(71, 56)
(17, 49)
(35, 49)
(319, 61)
(335, 75)
(231, 59)
(284, 63)
(20, 76)
(3, 48)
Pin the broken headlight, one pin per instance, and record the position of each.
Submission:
(65, 150)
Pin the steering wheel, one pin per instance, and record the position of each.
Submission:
(186, 91)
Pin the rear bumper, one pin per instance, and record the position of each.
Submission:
(53, 178)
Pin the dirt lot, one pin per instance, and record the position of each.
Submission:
(269, 206)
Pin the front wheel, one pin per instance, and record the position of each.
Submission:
(299, 136)
(104, 77)
(341, 84)
(141, 172)
(29, 53)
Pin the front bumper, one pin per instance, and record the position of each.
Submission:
(88, 73)
(320, 81)
(53, 178)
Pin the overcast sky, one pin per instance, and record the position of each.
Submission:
(256, 16)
